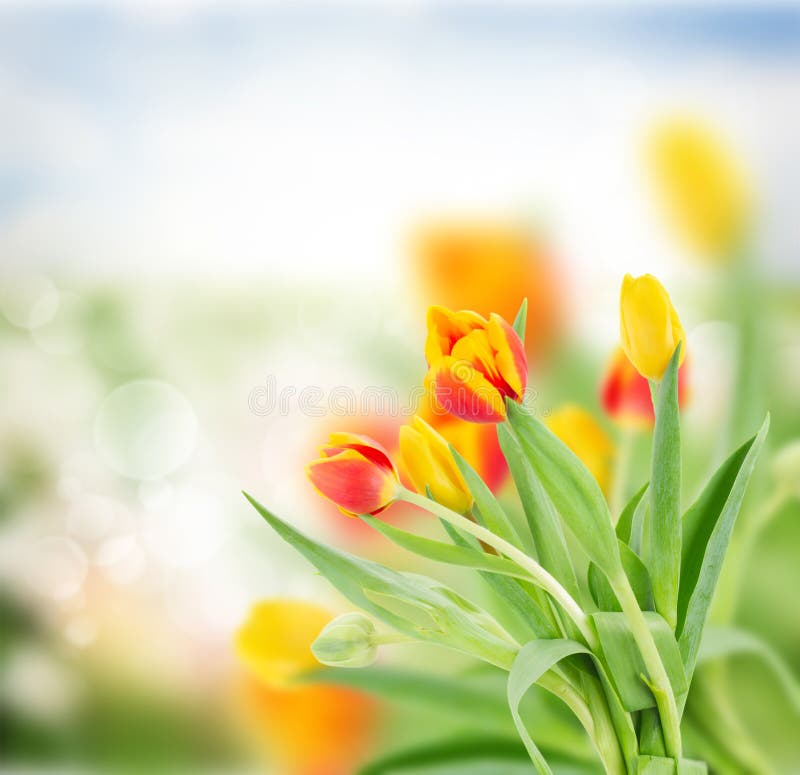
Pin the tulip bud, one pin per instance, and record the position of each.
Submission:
(649, 325)
(356, 473)
(430, 465)
(348, 641)
(475, 364)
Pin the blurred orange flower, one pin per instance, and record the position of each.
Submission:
(489, 267)
(586, 438)
(308, 729)
(625, 394)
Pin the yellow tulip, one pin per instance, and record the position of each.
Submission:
(586, 438)
(649, 325)
(430, 465)
(275, 641)
(701, 186)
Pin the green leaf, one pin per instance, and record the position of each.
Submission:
(625, 521)
(541, 515)
(412, 604)
(494, 518)
(532, 662)
(722, 642)
(663, 557)
(625, 664)
(707, 527)
(446, 553)
(657, 765)
(453, 696)
(495, 755)
(521, 319)
(526, 609)
(570, 486)
(637, 574)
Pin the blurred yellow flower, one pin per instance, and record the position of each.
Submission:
(586, 438)
(275, 641)
(702, 188)
(490, 266)
(649, 326)
(429, 463)
(304, 729)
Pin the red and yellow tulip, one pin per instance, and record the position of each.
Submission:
(586, 438)
(356, 473)
(308, 729)
(625, 394)
(431, 466)
(650, 328)
(489, 265)
(474, 364)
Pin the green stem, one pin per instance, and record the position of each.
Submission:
(603, 732)
(538, 574)
(621, 470)
(665, 697)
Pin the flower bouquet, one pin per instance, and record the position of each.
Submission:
(606, 611)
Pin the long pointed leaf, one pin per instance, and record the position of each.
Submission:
(722, 642)
(532, 662)
(708, 525)
(446, 553)
(663, 557)
(525, 608)
(450, 619)
(571, 488)
(521, 319)
(494, 518)
(541, 514)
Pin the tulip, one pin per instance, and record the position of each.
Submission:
(474, 364)
(348, 641)
(477, 443)
(430, 465)
(356, 473)
(586, 438)
(625, 394)
(649, 325)
(489, 265)
(702, 187)
(275, 641)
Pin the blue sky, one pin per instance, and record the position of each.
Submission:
(306, 138)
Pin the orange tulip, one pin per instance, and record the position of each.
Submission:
(489, 266)
(475, 364)
(586, 438)
(625, 394)
(356, 473)
(306, 729)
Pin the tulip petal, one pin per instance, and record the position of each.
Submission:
(463, 391)
(367, 446)
(446, 327)
(510, 354)
(475, 349)
(353, 482)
